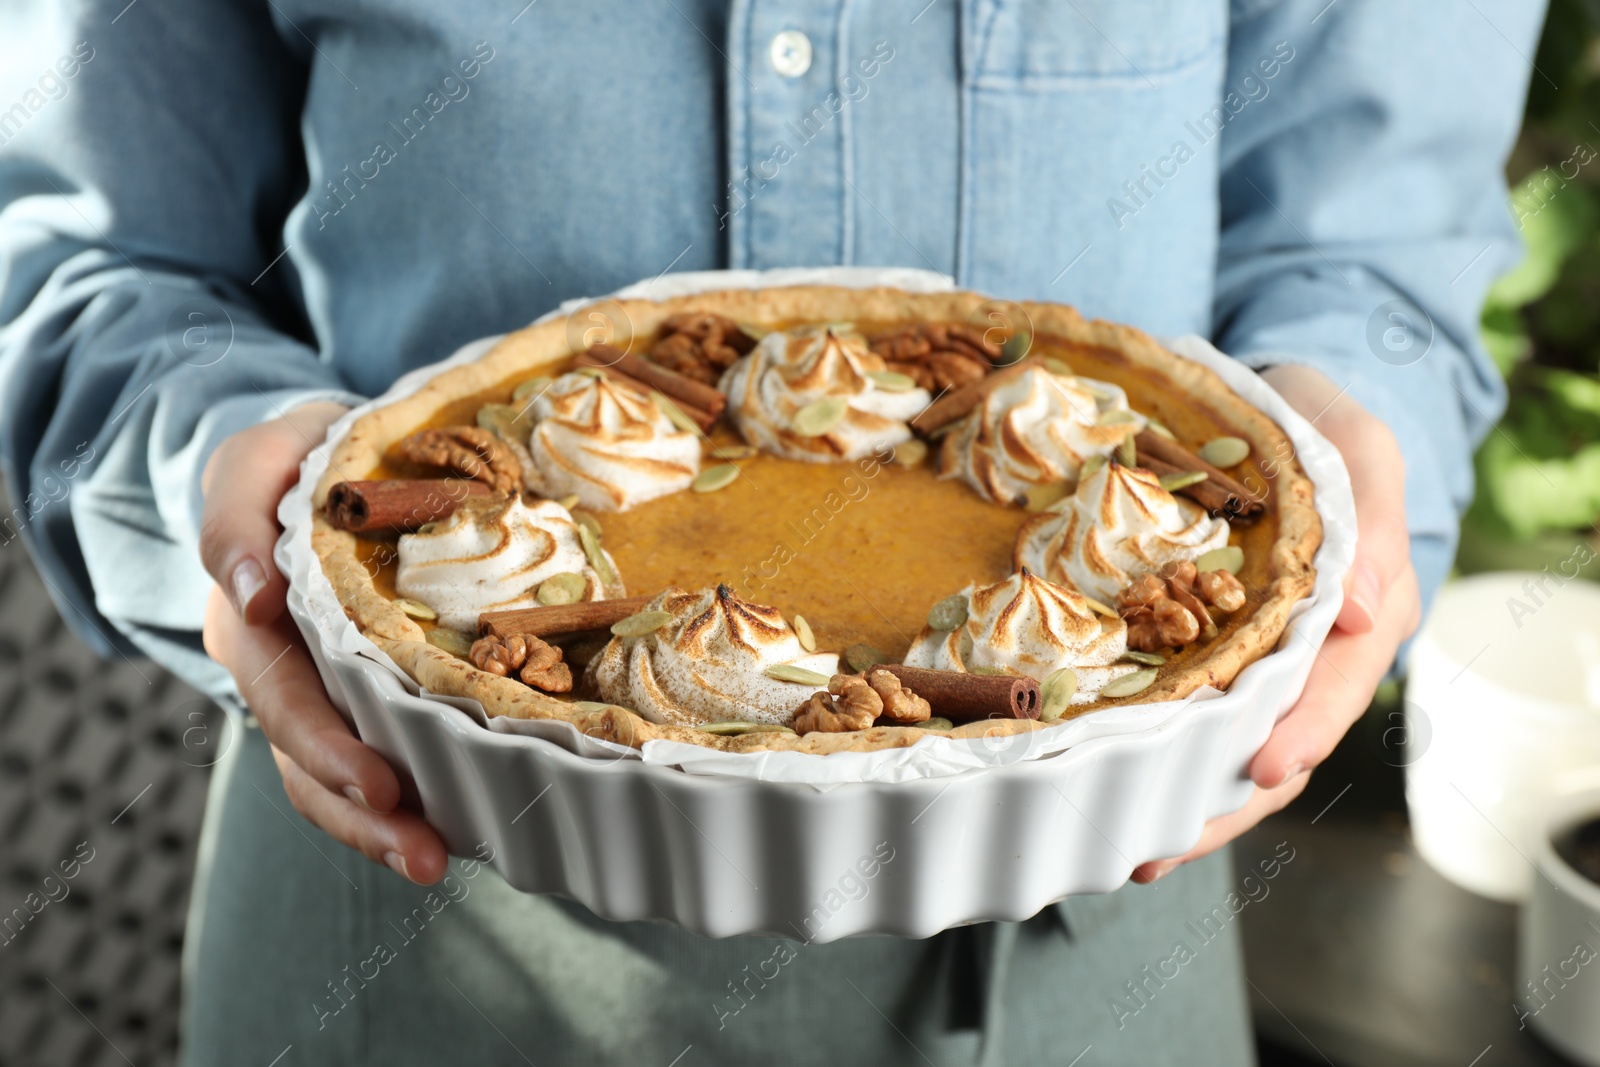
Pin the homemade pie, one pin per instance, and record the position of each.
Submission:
(818, 519)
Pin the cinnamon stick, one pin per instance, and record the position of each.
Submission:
(962, 697)
(958, 403)
(560, 618)
(686, 391)
(699, 416)
(1220, 493)
(397, 504)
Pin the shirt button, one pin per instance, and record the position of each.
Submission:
(790, 53)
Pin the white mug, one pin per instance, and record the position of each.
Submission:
(1502, 716)
(1558, 951)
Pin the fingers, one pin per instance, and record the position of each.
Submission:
(1343, 678)
(279, 682)
(243, 482)
(1220, 831)
(1383, 545)
(399, 840)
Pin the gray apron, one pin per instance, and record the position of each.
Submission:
(299, 948)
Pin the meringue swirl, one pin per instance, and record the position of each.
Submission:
(1026, 625)
(1117, 525)
(706, 664)
(1036, 429)
(608, 443)
(490, 555)
(788, 371)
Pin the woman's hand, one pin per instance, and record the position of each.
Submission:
(1381, 609)
(332, 779)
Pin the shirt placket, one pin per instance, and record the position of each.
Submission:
(787, 136)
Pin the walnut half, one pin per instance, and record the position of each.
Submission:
(539, 663)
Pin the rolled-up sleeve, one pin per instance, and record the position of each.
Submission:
(145, 306)
(1364, 215)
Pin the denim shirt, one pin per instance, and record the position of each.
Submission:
(211, 212)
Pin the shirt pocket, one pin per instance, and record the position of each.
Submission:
(1036, 42)
(1074, 186)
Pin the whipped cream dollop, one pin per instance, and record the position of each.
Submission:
(607, 443)
(707, 664)
(1037, 429)
(1026, 625)
(491, 554)
(1117, 525)
(788, 373)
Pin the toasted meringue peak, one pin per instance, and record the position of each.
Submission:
(1036, 429)
(608, 443)
(787, 372)
(490, 555)
(1026, 625)
(1118, 525)
(707, 664)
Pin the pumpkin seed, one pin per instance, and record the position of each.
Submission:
(1129, 684)
(645, 622)
(1091, 466)
(503, 420)
(415, 608)
(788, 672)
(1149, 659)
(1058, 367)
(755, 332)
(1043, 497)
(427, 528)
(992, 672)
(564, 588)
(936, 722)
(892, 381)
(452, 641)
(713, 478)
(948, 614)
(862, 658)
(1016, 347)
(1159, 430)
(820, 416)
(802, 630)
(674, 413)
(1099, 608)
(910, 453)
(588, 522)
(1128, 452)
(1225, 452)
(1228, 558)
(1056, 693)
(733, 452)
(589, 372)
(735, 729)
(1182, 480)
(934, 435)
(590, 539)
(1116, 417)
(569, 501)
(529, 389)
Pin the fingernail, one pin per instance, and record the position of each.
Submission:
(1364, 591)
(247, 579)
(397, 864)
(1163, 870)
(358, 798)
(1295, 770)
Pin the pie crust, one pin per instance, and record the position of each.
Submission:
(542, 347)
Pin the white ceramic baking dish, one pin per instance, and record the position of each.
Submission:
(822, 847)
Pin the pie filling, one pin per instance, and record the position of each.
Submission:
(825, 527)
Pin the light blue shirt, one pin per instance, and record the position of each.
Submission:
(210, 211)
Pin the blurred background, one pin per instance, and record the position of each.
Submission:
(1360, 954)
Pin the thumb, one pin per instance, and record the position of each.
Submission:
(243, 481)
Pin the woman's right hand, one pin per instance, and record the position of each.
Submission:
(331, 778)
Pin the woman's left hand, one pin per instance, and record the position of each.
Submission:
(1381, 609)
